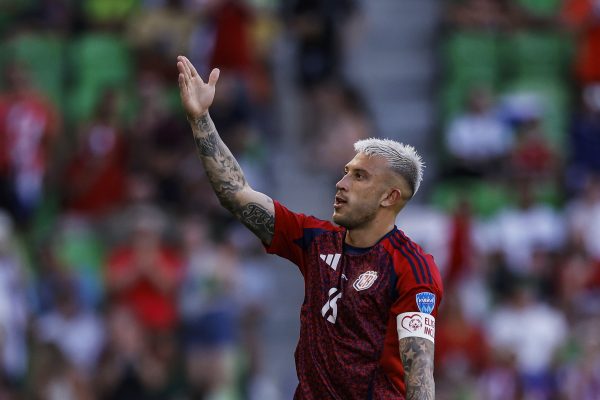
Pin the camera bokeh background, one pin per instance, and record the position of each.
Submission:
(122, 278)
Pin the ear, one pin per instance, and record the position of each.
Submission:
(392, 198)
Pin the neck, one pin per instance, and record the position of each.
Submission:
(367, 236)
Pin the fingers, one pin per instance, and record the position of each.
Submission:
(184, 90)
(191, 67)
(214, 77)
(183, 68)
(183, 73)
(189, 72)
(180, 67)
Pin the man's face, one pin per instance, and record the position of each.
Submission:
(360, 191)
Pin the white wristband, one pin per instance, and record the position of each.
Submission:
(416, 324)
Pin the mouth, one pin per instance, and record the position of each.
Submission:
(339, 202)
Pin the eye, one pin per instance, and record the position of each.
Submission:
(358, 175)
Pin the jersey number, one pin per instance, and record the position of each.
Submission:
(329, 310)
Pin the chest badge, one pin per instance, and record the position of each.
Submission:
(365, 280)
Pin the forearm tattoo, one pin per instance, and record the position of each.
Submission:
(417, 359)
(223, 171)
(227, 179)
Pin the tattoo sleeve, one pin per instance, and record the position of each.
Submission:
(417, 358)
(228, 181)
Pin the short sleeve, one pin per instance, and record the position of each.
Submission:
(419, 287)
(289, 227)
(293, 234)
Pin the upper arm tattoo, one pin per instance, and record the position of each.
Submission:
(227, 179)
(417, 358)
(259, 220)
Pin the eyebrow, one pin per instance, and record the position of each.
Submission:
(357, 170)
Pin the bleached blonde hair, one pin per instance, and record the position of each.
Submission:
(402, 158)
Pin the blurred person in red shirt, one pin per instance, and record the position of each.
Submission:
(144, 274)
(29, 124)
(95, 178)
(533, 157)
(583, 18)
(233, 44)
(461, 349)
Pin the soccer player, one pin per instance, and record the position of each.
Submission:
(371, 295)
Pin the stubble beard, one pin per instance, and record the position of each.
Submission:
(355, 218)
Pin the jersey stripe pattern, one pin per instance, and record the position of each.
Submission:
(348, 347)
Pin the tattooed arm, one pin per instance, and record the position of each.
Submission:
(253, 209)
(417, 358)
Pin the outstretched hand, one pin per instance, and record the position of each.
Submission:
(196, 96)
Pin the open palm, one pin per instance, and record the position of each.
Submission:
(196, 95)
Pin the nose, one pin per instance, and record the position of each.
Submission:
(342, 184)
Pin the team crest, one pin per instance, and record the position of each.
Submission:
(426, 302)
(365, 280)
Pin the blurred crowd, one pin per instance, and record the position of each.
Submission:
(514, 216)
(122, 278)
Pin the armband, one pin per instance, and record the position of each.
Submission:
(416, 324)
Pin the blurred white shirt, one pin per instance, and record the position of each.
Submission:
(519, 232)
(533, 334)
(478, 137)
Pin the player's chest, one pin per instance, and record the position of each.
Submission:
(345, 286)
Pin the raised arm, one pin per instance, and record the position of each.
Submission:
(252, 208)
(417, 358)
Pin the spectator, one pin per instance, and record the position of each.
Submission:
(500, 380)
(478, 140)
(160, 140)
(53, 378)
(582, 17)
(232, 49)
(129, 369)
(95, 178)
(532, 156)
(583, 218)
(144, 274)
(461, 347)
(14, 307)
(318, 27)
(581, 376)
(519, 231)
(76, 332)
(585, 139)
(576, 274)
(532, 332)
(342, 119)
(29, 125)
(208, 310)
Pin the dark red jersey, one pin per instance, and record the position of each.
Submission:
(348, 347)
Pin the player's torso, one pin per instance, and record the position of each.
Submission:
(345, 314)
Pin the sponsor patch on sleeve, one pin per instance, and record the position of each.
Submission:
(415, 324)
(426, 302)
